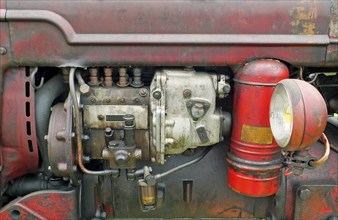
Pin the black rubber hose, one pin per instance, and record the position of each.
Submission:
(28, 184)
(44, 98)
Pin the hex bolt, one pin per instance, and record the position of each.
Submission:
(305, 194)
(108, 132)
(108, 79)
(187, 93)
(3, 50)
(157, 95)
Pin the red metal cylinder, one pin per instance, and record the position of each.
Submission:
(254, 157)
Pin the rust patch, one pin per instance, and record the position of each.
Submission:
(303, 19)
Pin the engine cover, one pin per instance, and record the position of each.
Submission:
(184, 114)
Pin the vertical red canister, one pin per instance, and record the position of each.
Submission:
(254, 157)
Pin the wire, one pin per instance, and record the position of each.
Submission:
(302, 78)
(324, 158)
(202, 155)
(32, 79)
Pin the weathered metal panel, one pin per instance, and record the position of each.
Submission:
(168, 32)
(43, 205)
(18, 134)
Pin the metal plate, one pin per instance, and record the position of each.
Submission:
(316, 202)
(95, 116)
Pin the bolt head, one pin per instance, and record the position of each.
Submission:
(157, 95)
(187, 93)
(100, 117)
(92, 99)
(84, 89)
(305, 194)
(226, 89)
(121, 157)
(143, 92)
(3, 51)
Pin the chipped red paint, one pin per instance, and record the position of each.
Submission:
(43, 205)
(18, 137)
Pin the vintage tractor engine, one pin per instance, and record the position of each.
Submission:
(128, 121)
(168, 109)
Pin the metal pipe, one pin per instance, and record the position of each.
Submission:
(44, 99)
(78, 130)
(324, 158)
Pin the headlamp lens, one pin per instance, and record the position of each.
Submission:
(281, 118)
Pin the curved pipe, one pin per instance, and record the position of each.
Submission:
(78, 130)
(44, 98)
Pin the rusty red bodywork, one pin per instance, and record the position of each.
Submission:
(19, 145)
(168, 33)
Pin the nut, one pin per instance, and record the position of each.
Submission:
(85, 89)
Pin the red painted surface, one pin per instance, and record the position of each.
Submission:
(43, 205)
(19, 157)
(324, 203)
(52, 41)
(253, 176)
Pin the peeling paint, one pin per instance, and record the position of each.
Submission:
(303, 19)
